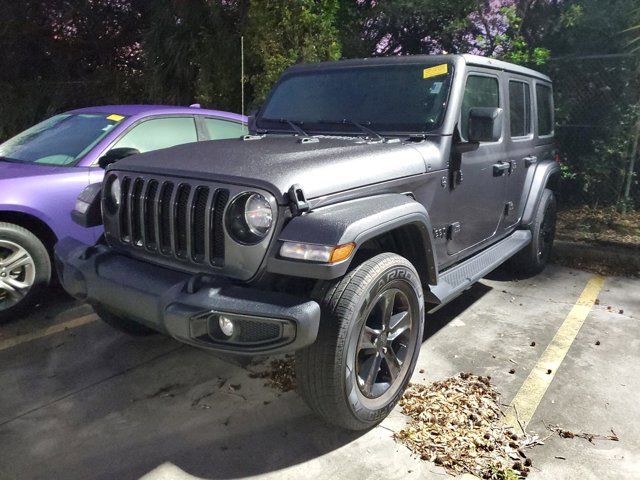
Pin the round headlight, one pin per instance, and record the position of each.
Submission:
(115, 192)
(249, 218)
(258, 215)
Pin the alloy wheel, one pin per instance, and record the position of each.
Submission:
(17, 273)
(386, 342)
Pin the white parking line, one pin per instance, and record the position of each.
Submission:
(60, 327)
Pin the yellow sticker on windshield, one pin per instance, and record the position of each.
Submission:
(114, 117)
(435, 71)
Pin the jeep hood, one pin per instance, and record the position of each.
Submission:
(276, 162)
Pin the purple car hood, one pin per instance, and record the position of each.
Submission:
(22, 170)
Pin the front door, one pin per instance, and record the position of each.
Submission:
(476, 203)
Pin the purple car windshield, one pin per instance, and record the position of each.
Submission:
(59, 140)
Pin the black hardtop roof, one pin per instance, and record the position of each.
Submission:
(475, 60)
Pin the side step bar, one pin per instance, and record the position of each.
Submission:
(457, 279)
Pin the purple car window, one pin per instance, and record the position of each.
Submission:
(59, 140)
(159, 133)
(221, 129)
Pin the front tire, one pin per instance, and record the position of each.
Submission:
(25, 270)
(534, 257)
(368, 343)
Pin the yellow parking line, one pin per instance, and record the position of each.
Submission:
(526, 401)
(60, 327)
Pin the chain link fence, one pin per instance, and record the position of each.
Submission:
(597, 129)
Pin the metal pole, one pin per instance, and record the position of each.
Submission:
(632, 166)
(242, 72)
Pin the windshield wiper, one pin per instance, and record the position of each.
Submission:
(297, 128)
(364, 129)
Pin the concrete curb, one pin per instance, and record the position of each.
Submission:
(625, 259)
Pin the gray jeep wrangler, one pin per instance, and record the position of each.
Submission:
(368, 193)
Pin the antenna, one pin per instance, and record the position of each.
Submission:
(242, 72)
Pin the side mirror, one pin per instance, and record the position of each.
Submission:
(115, 154)
(485, 124)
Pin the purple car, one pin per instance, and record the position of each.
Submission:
(44, 168)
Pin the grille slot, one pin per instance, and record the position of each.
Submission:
(125, 226)
(198, 222)
(164, 225)
(217, 227)
(182, 220)
(150, 215)
(181, 214)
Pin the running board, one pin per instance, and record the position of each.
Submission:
(457, 279)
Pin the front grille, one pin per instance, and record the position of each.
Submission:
(178, 219)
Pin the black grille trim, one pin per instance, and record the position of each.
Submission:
(183, 220)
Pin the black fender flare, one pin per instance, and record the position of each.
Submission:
(546, 174)
(354, 221)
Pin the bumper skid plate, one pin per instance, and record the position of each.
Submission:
(190, 309)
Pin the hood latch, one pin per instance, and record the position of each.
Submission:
(297, 201)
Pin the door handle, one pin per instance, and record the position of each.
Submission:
(530, 160)
(500, 168)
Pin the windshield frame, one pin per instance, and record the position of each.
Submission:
(87, 151)
(275, 126)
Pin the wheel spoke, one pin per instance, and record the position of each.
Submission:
(16, 260)
(13, 288)
(372, 368)
(398, 324)
(388, 300)
(367, 339)
(393, 363)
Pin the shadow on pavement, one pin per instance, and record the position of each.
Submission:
(439, 319)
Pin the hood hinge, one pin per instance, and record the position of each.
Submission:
(297, 201)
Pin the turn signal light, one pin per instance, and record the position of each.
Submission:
(316, 253)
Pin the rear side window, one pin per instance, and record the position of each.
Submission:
(519, 108)
(480, 91)
(544, 102)
(221, 129)
(159, 133)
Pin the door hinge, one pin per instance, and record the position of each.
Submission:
(508, 208)
(297, 201)
(454, 230)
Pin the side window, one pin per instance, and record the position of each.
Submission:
(159, 133)
(519, 108)
(221, 129)
(480, 91)
(544, 102)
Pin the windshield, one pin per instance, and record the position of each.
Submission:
(59, 140)
(388, 99)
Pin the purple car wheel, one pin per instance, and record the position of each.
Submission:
(25, 270)
(17, 273)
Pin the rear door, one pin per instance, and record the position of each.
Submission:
(477, 201)
(520, 146)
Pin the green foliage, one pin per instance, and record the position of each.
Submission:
(283, 32)
(62, 54)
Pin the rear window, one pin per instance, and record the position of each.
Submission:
(520, 108)
(544, 102)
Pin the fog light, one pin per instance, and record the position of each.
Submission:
(226, 326)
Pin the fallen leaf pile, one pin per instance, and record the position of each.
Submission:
(280, 374)
(456, 423)
(599, 225)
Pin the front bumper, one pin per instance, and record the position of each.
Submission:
(184, 305)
